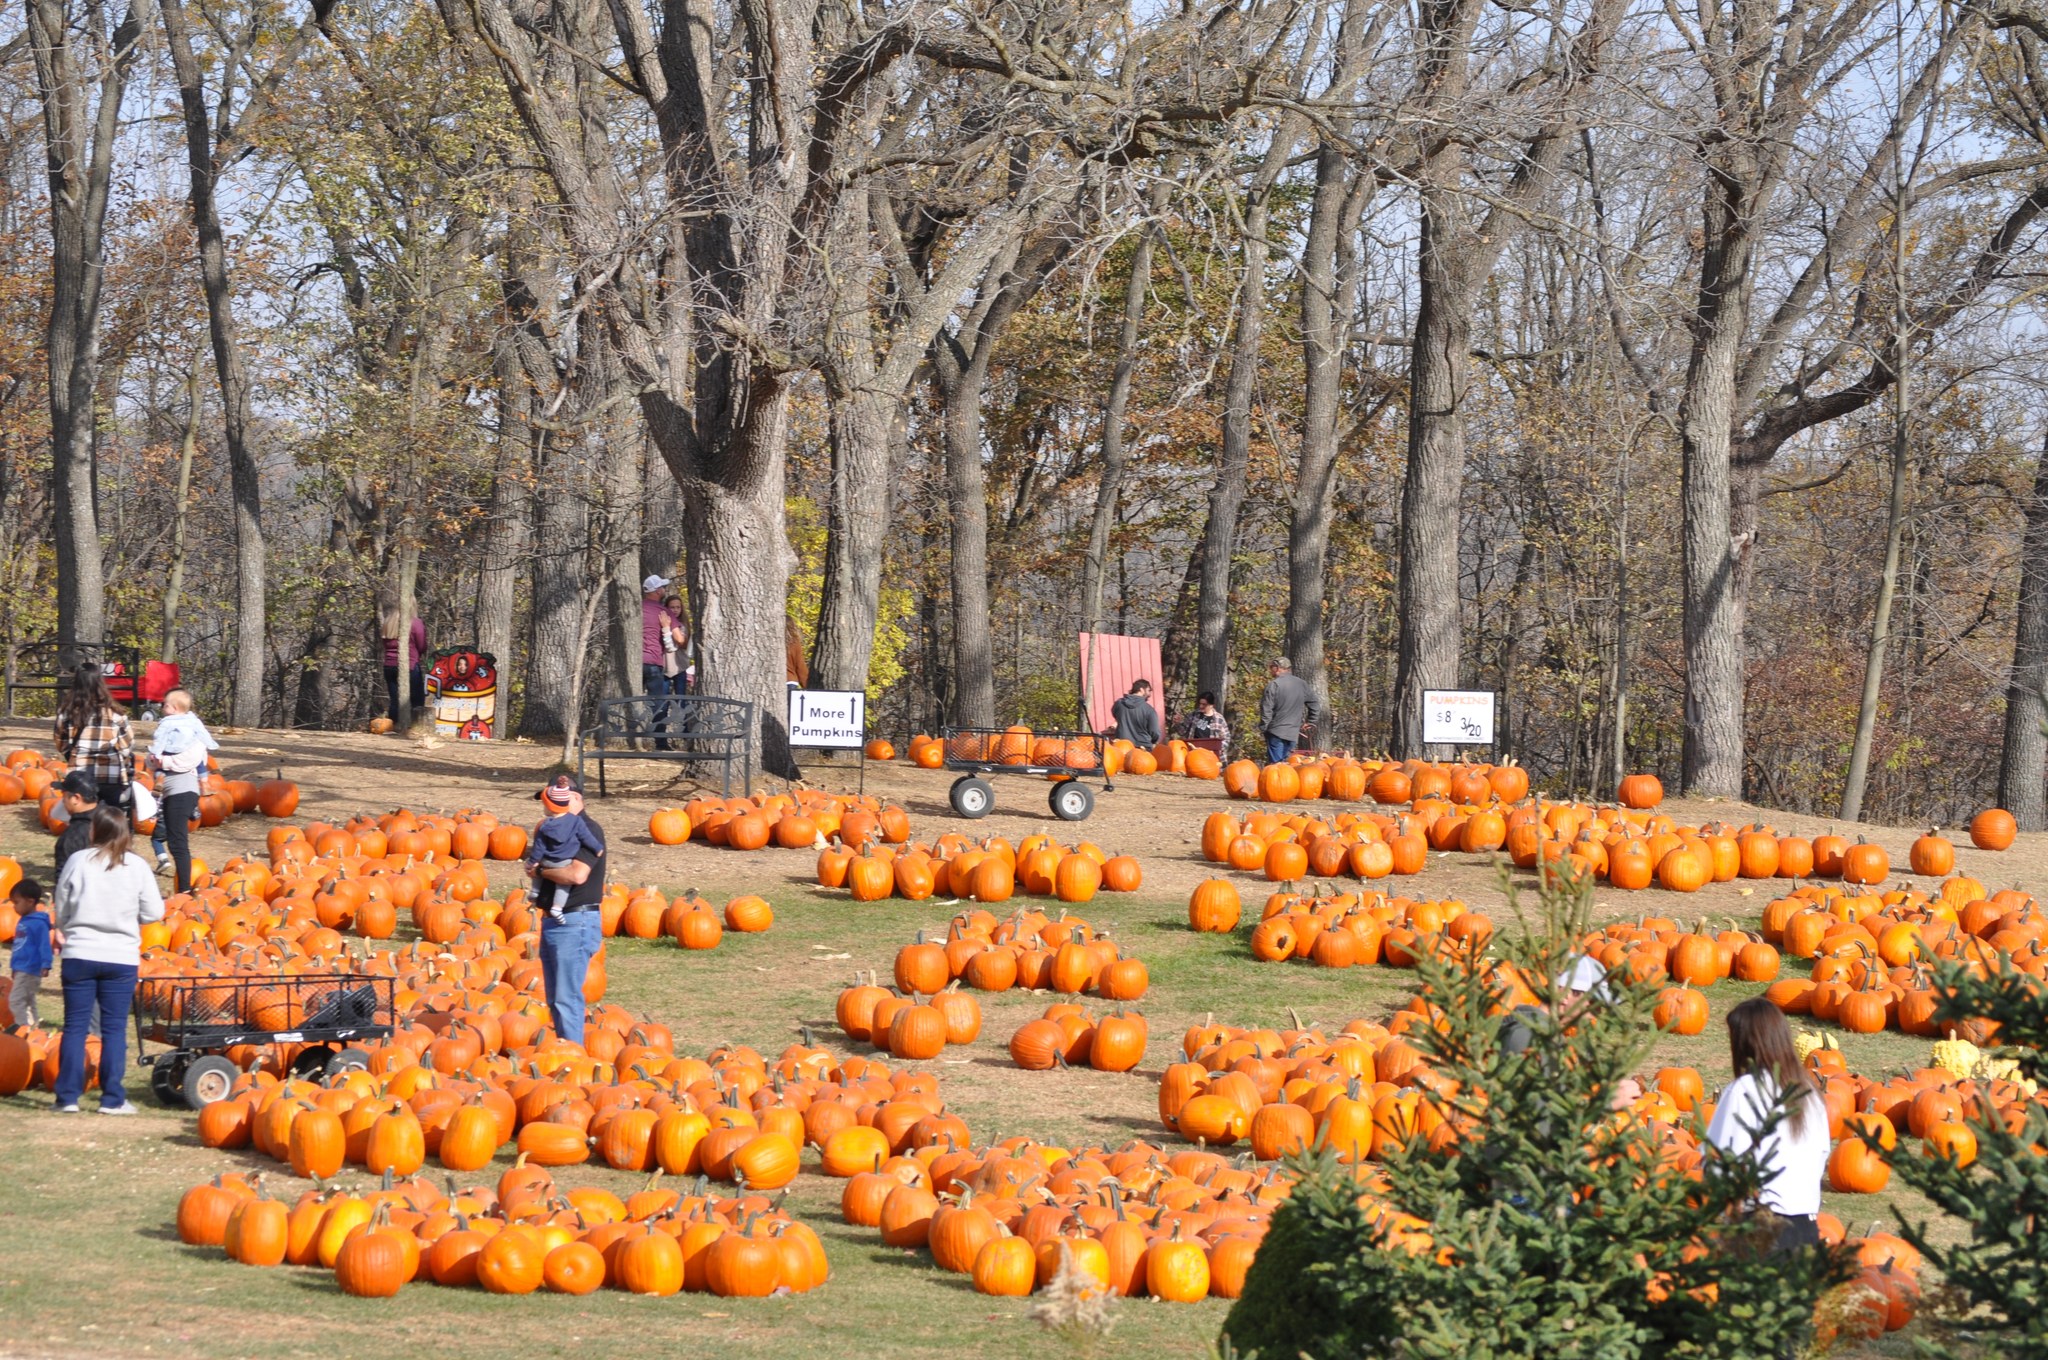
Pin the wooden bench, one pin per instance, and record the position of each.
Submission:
(688, 729)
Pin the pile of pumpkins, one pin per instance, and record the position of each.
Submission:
(524, 1235)
(1871, 951)
(803, 819)
(917, 1027)
(1136, 1221)
(471, 1071)
(1019, 745)
(987, 871)
(1342, 929)
(1342, 779)
(1026, 949)
(1067, 1035)
(28, 774)
(1628, 848)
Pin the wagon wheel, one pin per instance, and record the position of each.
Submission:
(167, 1079)
(972, 797)
(311, 1062)
(208, 1079)
(1071, 801)
(348, 1060)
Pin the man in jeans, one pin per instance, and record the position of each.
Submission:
(1283, 708)
(569, 941)
(657, 632)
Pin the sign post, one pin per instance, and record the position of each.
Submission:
(830, 720)
(1460, 717)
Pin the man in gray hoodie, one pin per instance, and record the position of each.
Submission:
(1283, 708)
(1136, 720)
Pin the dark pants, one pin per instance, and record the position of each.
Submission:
(1798, 1233)
(110, 986)
(419, 690)
(1277, 750)
(566, 948)
(174, 833)
(657, 685)
(115, 794)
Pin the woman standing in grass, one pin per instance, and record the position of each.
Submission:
(104, 899)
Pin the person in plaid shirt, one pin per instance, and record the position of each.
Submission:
(93, 736)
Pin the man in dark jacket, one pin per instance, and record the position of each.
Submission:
(1286, 705)
(1136, 720)
(81, 798)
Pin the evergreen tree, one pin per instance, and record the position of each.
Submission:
(1997, 1278)
(1538, 1221)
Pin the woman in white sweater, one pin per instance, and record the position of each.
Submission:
(1773, 1108)
(104, 898)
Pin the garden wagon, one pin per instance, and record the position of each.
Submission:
(201, 1018)
(1064, 757)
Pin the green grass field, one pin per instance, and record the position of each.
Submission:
(89, 1261)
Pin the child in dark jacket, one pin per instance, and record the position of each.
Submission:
(557, 840)
(31, 956)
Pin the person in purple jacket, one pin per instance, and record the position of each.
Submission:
(388, 617)
(31, 957)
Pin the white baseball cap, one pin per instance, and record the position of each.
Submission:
(654, 583)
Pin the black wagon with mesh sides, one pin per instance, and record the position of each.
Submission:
(198, 1019)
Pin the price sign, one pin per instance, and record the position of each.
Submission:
(1458, 717)
(828, 719)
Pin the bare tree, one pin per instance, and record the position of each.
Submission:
(1456, 252)
(83, 59)
(2023, 765)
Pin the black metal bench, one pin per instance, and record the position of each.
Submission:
(45, 667)
(695, 729)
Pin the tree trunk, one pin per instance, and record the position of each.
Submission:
(967, 495)
(504, 561)
(1428, 652)
(245, 708)
(738, 552)
(1706, 415)
(2024, 763)
(1330, 282)
(79, 138)
(1226, 494)
(174, 571)
(1887, 586)
(315, 706)
(408, 607)
(1110, 486)
(622, 512)
(960, 365)
(554, 627)
(865, 427)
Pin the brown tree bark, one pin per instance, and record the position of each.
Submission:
(1226, 494)
(82, 69)
(1456, 253)
(2023, 763)
(251, 613)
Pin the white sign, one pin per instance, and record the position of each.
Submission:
(828, 718)
(1458, 717)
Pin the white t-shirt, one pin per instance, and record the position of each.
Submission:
(1793, 1160)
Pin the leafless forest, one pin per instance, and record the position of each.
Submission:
(1674, 369)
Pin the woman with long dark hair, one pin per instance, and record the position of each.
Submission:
(104, 898)
(92, 735)
(1773, 1110)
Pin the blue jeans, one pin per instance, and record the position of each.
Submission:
(1277, 750)
(112, 987)
(566, 948)
(656, 685)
